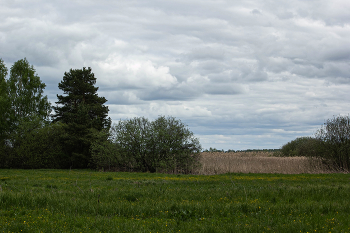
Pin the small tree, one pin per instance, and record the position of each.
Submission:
(174, 145)
(21, 97)
(132, 138)
(26, 93)
(5, 104)
(165, 144)
(335, 138)
(22, 103)
(83, 112)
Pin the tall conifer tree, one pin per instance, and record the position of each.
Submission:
(83, 112)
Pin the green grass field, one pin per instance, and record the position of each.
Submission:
(89, 201)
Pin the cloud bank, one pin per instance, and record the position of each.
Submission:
(242, 74)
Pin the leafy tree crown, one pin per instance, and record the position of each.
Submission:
(25, 91)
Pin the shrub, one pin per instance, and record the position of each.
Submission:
(331, 144)
(334, 136)
(297, 147)
(164, 145)
(104, 154)
(35, 147)
(5, 156)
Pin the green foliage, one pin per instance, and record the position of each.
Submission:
(313, 147)
(216, 150)
(104, 154)
(173, 146)
(21, 97)
(83, 112)
(331, 144)
(164, 145)
(26, 93)
(132, 140)
(24, 109)
(5, 155)
(35, 146)
(3, 70)
(5, 104)
(297, 147)
(335, 138)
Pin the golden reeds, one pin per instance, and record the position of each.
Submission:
(257, 162)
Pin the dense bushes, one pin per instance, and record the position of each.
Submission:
(37, 147)
(163, 145)
(297, 147)
(104, 154)
(34, 147)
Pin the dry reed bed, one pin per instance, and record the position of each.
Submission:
(257, 162)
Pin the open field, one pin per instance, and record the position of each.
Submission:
(257, 162)
(89, 201)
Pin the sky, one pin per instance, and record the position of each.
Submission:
(241, 75)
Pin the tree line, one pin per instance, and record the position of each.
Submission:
(213, 150)
(79, 133)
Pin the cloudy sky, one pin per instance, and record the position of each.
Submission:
(241, 74)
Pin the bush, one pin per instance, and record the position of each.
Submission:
(331, 144)
(335, 141)
(312, 147)
(33, 147)
(104, 154)
(5, 156)
(164, 145)
(297, 147)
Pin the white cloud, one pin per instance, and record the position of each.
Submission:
(135, 74)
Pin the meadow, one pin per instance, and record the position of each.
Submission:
(92, 201)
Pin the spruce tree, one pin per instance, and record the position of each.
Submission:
(83, 112)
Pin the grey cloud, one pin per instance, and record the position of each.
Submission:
(257, 72)
(176, 93)
(256, 12)
(206, 53)
(223, 89)
(121, 97)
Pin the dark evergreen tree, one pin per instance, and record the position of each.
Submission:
(83, 112)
